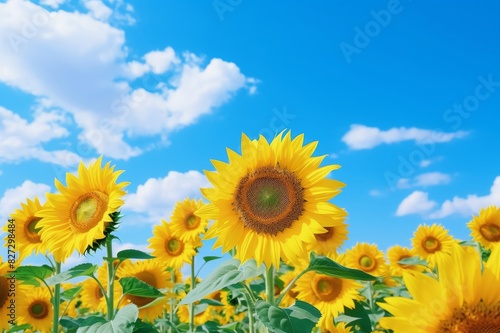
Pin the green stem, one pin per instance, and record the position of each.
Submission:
(250, 312)
(111, 278)
(270, 285)
(290, 285)
(56, 300)
(172, 300)
(191, 305)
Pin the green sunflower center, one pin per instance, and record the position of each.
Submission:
(431, 244)
(148, 278)
(31, 231)
(269, 200)
(326, 288)
(174, 246)
(88, 210)
(4, 290)
(192, 222)
(39, 309)
(325, 236)
(367, 263)
(491, 232)
(479, 318)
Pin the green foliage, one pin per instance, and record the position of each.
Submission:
(133, 254)
(80, 270)
(122, 323)
(300, 317)
(324, 265)
(32, 275)
(134, 286)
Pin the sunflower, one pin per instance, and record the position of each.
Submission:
(432, 241)
(463, 299)
(72, 308)
(328, 242)
(202, 312)
(271, 200)
(340, 328)
(35, 308)
(79, 218)
(229, 312)
(290, 297)
(6, 299)
(366, 257)
(184, 223)
(153, 273)
(170, 248)
(328, 294)
(27, 229)
(397, 253)
(92, 296)
(485, 228)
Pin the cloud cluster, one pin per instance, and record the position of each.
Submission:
(424, 180)
(13, 197)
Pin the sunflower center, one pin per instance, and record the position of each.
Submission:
(491, 232)
(174, 246)
(326, 288)
(269, 200)
(192, 222)
(39, 309)
(88, 210)
(325, 236)
(31, 231)
(148, 278)
(98, 292)
(431, 244)
(480, 318)
(367, 263)
(4, 290)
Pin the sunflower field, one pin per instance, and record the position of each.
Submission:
(272, 208)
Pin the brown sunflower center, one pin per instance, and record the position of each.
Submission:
(192, 222)
(4, 290)
(148, 278)
(31, 231)
(88, 210)
(431, 244)
(367, 263)
(39, 309)
(98, 292)
(269, 200)
(480, 318)
(491, 232)
(325, 236)
(326, 288)
(174, 246)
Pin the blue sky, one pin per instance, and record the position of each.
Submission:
(403, 94)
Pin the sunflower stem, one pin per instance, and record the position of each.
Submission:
(56, 300)
(270, 285)
(290, 286)
(172, 300)
(111, 279)
(191, 305)
(250, 310)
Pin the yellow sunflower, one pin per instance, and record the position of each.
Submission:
(340, 328)
(271, 200)
(397, 253)
(463, 299)
(429, 242)
(92, 297)
(367, 258)
(328, 242)
(7, 300)
(290, 297)
(184, 223)
(34, 307)
(202, 312)
(153, 273)
(170, 248)
(27, 229)
(229, 310)
(328, 294)
(71, 310)
(77, 218)
(485, 228)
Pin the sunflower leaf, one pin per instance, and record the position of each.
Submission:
(134, 286)
(356, 317)
(69, 294)
(210, 258)
(123, 323)
(19, 328)
(412, 261)
(300, 317)
(31, 274)
(133, 254)
(324, 265)
(86, 269)
(225, 275)
(142, 327)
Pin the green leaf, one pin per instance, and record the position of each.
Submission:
(359, 316)
(134, 286)
(298, 318)
(86, 269)
(324, 265)
(123, 323)
(133, 254)
(69, 294)
(210, 258)
(211, 302)
(228, 273)
(19, 328)
(412, 261)
(142, 327)
(31, 274)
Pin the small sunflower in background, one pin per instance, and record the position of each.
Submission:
(79, 217)
(4, 295)
(291, 295)
(203, 312)
(329, 242)
(430, 242)
(366, 257)
(397, 253)
(185, 223)
(34, 307)
(270, 201)
(341, 328)
(485, 228)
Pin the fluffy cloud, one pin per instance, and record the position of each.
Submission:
(364, 137)
(13, 197)
(416, 203)
(157, 196)
(98, 9)
(425, 180)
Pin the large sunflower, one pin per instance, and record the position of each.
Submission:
(430, 242)
(328, 243)
(328, 294)
(366, 257)
(184, 223)
(78, 216)
(271, 200)
(5, 298)
(34, 307)
(463, 299)
(27, 229)
(485, 228)
(397, 253)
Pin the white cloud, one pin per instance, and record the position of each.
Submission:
(98, 9)
(117, 247)
(364, 137)
(375, 193)
(425, 163)
(424, 180)
(161, 61)
(52, 3)
(13, 197)
(471, 204)
(157, 196)
(416, 203)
